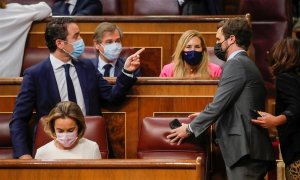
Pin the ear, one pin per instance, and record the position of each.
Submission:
(60, 44)
(232, 38)
(53, 135)
(97, 45)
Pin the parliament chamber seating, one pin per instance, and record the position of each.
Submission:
(5, 142)
(153, 142)
(156, 7)
(151, 62)
(271, 22)
(95, 131)
(111, 7)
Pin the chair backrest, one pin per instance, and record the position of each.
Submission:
(156, 7)
(95, 131)
(6, 151)
(111, 7)
(270, 22)
(153, 143)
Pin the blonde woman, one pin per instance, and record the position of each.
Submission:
(190, 59)
(65, 124)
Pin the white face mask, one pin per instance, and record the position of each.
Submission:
(112, 51)
(66, 139)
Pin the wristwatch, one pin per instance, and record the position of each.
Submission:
(188, 131)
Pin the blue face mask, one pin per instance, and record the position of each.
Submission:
(192, 57)
(112, 51)
(78, 48)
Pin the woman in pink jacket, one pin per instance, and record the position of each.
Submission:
(190, 59)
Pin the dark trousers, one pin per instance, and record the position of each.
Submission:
(249, 169)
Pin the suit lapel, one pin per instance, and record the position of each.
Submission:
(118, 67)
(78, 4)
(83, 81)
(52, 84)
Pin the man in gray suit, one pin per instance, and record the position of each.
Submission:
(246, 148)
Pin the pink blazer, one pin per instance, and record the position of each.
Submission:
(167, 71)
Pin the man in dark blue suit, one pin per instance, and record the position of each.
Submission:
(62, 77)
(77, 7)
(108, 44)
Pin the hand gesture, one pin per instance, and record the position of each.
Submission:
(133, 61)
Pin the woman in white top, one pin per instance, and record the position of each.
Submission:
(15, 22)
(65, 124)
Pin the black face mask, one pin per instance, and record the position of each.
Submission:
(219, 52)
(192, 57)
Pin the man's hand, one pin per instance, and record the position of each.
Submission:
(268, 120)
(192, 116)
(178, 134)
(133, 61)
(25, 156)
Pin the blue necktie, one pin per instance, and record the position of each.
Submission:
(107, 70)
(71, 91)
(66, 9)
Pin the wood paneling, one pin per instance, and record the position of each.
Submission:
(140, 31)
(102, 169)
(149, 96)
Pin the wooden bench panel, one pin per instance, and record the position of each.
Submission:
(102, 169)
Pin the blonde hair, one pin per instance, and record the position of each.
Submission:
(202, 69)
(3, 4)
(65, 109)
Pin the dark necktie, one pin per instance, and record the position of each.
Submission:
(107, 70)
(71, 91)
(66, 9)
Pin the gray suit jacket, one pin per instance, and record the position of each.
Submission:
(240, 89)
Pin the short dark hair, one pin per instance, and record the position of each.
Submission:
(56, 29)
(241, 29)
(285, 56)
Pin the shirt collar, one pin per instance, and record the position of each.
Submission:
(57, 63)
(234, 54)
(72, 2)
(103, 63)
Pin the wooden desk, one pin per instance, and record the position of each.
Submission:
(134, 169)
(149, 97)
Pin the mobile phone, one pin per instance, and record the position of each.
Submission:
(174, 124)
(254, 114)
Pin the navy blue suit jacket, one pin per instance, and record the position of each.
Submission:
(118, 67)
(82, 7)
(39, 91)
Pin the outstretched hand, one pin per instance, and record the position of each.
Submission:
(133, 61)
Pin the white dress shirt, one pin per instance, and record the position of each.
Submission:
(101, 64)
(72, 5)
(61, 81)
(15, 22)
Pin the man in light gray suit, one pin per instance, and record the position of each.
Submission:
(246, 148)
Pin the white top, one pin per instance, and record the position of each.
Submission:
(72, 5)
(85, 149)
(61, 81)
(15, 22)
